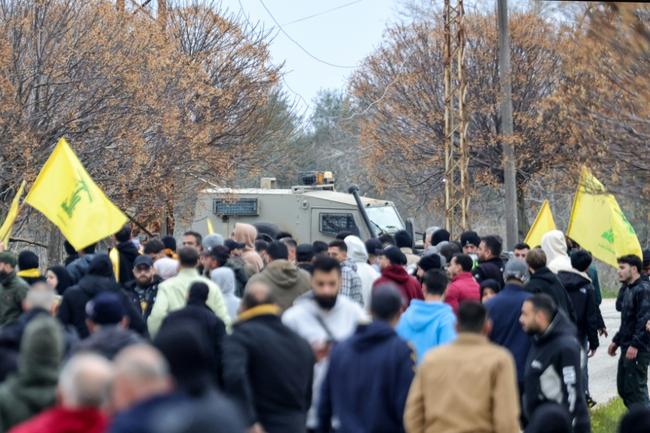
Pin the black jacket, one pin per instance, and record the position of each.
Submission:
(583, 298)
(143, 298)
(72, 310)
(491, 269)
(127, 253)
(545, 281)
(634, 304)
(214, 331)
(553, 373)
(268, 370)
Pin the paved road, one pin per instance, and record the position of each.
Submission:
(602, 367)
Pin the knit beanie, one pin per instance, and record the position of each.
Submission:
(470, 238)
(27, 260)
(8, 258)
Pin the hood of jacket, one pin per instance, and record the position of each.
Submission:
(421, 315)
(395, 273)
(572, 281)
(245, 234)
(560, 325)
(284, 274)
(356, 249)
(101, 266)
(129, 249)
(225, 278)
(555, 248)
(368, 336)
(41, 353)
(93, 284)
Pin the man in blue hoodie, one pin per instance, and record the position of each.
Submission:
(429, 323)
(370, 373)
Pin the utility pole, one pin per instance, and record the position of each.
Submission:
(505, 127)
(456, 146)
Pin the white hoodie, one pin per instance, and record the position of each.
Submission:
(557, 258)
(359, 256)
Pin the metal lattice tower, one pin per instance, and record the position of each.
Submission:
(141, 6)
(456, 151)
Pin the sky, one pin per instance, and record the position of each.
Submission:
(342, 37)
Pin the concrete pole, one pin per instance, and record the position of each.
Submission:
(505, 114)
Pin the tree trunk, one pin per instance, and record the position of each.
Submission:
(522, 218)
(54, 242)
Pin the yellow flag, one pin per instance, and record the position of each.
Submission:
(543, 224)
(210, 228)
(598, 224)
(68, 197)
(12, 214)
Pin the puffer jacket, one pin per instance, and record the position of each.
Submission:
(286, 281)
(78, 268)
(32, 388)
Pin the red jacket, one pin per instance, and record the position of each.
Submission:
(463, 287)
(62, 420)
(395, 274)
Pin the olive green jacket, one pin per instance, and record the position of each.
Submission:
(13, 290)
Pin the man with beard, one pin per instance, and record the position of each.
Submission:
(553, 365)
(143, 289)
(322, 318)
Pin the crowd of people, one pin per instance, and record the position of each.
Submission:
(251, 334)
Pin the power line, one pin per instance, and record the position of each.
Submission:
(323, 12)
(277, 23)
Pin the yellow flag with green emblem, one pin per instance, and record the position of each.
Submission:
(543, 224)
(70, 199)
(598, 224)
(12, 214)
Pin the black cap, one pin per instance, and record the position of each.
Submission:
(646, 257)
(143, 261)
(233, 245)
(395, 256)
(470, 238)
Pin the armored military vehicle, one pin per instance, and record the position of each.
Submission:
(310, 212)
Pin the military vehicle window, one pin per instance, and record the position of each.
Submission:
(240, 207)
(335, 223)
